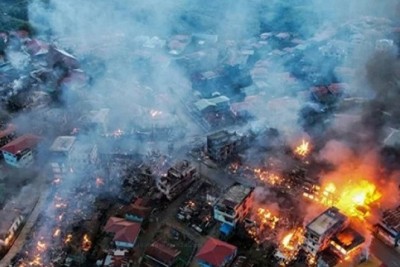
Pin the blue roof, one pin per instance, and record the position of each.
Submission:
(226, 229)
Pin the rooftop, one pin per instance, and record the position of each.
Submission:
(215, 251)
(210, 102)
(326, 220)
(7, 219)
(124, 231)
(222, 136)
(391, 219)
(163, 253)
(99, 116)
(393, 138)
(21, 143)
(235, 195)
(348, 239)
(63, 144)
(179, 169)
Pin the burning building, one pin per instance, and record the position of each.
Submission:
(347, 244)
(178, 178)
(388, 229)
(320, 230)
(233, 207)
(20, 152)
(345, 249)
(222, 145)
(289, 246)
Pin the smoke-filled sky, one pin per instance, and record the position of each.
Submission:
(133, 74)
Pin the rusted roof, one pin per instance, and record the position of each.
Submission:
(21, 143)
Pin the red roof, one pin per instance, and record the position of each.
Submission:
(124, 231)
(162, 253)
(9, 130)
(215, 252)
(21, 143)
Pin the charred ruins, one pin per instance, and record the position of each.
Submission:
(174, 134)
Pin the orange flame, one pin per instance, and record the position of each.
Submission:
(290, 244)
(303, 149)
(68, 239)
(56, 232)
(267, 218)
(41, 246)
(86, 243)
(353, 198)
(268, 177)
(345, 238)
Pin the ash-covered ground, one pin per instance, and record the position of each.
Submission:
(311, 88)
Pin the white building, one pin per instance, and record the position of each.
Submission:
(322, 228)
(234, 206)
(20, 152)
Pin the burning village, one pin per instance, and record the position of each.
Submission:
(178, 133)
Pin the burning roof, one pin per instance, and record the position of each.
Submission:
(347, 240)
(22, 143)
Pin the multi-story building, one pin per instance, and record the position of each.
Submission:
(320, 230)
(178, 178)
(388, 229)
(223, 145)
(60, 150)
(234, 206)
(20, 152)
(69, 152)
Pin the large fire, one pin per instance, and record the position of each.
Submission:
(266, 218)
(268, 177)
(353, 197)
(303, 149)
(290, 244)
